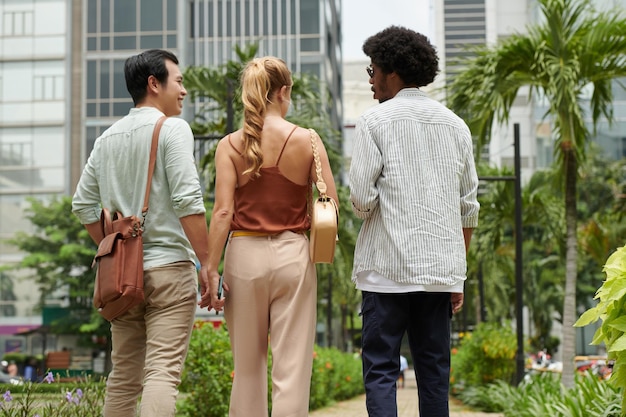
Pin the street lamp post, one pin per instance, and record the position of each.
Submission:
(519, 281)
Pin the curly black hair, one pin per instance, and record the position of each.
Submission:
(405, 52)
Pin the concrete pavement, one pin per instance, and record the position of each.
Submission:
(407, 405)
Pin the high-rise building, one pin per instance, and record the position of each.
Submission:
(62, 85)
(462, 24)
(34, 151)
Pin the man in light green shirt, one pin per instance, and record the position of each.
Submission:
(150, 341)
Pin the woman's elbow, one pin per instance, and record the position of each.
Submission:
(222, 213)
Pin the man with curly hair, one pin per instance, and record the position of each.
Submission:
(413, 181)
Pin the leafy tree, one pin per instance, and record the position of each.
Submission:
(601, 195)
(602, 229)
(574, 48)
(59, 254)
(216, 91)
(493, 248)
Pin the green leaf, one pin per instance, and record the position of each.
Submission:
(590, 316)
(618, 345)
(598, 337)
(619, 324)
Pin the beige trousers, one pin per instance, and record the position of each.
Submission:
(273, 300)
(150, 344)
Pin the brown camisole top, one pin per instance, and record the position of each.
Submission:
(271, 203)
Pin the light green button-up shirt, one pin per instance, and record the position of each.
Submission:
(413, 180)
(116, 173)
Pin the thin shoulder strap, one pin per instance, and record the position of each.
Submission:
(153, 151)
(233, 146)
(285, 144)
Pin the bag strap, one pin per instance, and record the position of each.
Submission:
(105, 221)
(151, 164)
(320, 184)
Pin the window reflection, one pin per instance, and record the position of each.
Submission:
(152, 15)
(125, 16)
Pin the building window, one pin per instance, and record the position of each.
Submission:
(7, 296)
(107, 95)
(310, 17)
(130, 24)
(310, 44)
(48, 87)
(17, 23)
(32, 158)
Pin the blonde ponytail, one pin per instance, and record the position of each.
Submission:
(260, 78)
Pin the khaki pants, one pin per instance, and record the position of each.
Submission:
(150, 344)
(272, 291)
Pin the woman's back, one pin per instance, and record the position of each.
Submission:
(278, 135)
(277, 199)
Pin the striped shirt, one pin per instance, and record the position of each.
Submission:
(413, 181)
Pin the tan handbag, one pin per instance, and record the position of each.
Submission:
(119, 277)
(324, 216)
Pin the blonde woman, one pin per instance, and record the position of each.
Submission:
(264, 175)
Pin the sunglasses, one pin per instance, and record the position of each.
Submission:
(370, 71)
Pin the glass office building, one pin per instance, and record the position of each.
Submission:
(305, 33)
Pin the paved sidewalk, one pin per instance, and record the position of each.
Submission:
(407, 405)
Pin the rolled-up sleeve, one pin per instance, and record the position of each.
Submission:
(86, 200)
(182, 175)
(365, 169)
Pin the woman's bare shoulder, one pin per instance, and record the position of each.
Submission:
(233, 142)
(302, 136)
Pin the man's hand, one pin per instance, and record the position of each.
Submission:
(205, 299)
(457, 301)
(208, 291)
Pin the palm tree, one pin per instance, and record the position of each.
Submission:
(572, 49)
(494, 249)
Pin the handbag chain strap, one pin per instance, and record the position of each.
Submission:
(151, 164)
(321, 185)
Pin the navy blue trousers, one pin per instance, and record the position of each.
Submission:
(425, 317)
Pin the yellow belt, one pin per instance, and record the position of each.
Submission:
(238, 233)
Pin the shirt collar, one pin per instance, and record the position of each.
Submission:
(411, 91)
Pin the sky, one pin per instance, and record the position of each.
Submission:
(363, 18)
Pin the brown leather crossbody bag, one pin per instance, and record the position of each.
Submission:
(119, 259)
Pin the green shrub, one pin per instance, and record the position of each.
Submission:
(208, 372)
(485, 355)
(542, 395)
(336, 376)
(17, 357)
